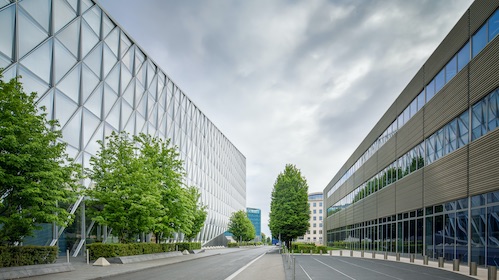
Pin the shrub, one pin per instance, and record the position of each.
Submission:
(97, 250)
(27, 255)
(232, 245)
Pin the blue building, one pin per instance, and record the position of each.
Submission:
(255, 216)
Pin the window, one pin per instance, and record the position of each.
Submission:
(430, 149)
(320, 211)
(315, 212)
(320, 225)
(421, 100)
(479, 40)
(451, 137)
(478, 124)
(430, 90)
(315, 204)
(320, 232)
(320, 218)
(320, 205)
(440, 81)
(451, 69)
(463, 57)
(494, 25)
(439, 143)
(463, 130)
(493, 110)
(315, 218)
(315, 232)
(315, 225)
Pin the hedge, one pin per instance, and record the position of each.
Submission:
(306, 247)
(27, 255)
(97, 250)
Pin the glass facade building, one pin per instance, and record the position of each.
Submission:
(94, 79)
(255, 216)
(424, 180)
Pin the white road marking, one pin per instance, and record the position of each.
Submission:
(387, 275)
(334, 269)
(243, 268)
(305, 272)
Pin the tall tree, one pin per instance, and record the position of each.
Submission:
(241, 227)
(36, 176)
(198, 213)
(289, 209)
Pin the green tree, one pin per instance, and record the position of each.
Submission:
(198, 213)
(289, 209)
(36, 175)
(241, 227)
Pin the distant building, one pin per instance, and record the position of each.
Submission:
(255, 216)
(314, 232)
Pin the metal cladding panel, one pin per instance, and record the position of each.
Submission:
(332, 222)
(410, 134)
(358, 212)
(484, 71)
(349, 186)
(409, 192)
(386, 155)
(359, 176)
(484, 164)
(349, 215)
(411, 91)
(452, 43)
(370, 205)
(449, 103)
(371, 167)
(480, 10)
(386, 201)
(342, 218)
(447, 178)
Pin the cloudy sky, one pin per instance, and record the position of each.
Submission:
(289, 81)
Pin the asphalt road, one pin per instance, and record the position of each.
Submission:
(211, 268)
(339, 268)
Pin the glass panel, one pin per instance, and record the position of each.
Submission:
(47, 101)
(4, 62)
(70, 85)
(108, 25)
(63, 60)
(494, 25)
(478, 243)
(125, 44)
(414, 108)
(30, 35)
(493, 110)
(113, 80)
(430, 149)
(128, 60)
(7, 24)
(493, 236)
(479, 40)
(64, 14)
(90, 123)
(94, 60)
(74, 4)
(493, 197)
(109, 61)
(439, 144)
(126, 111)
(440, 81)
(39, 10)
(478, 200)
(128, 95)
(89, 39)
(463, 129)
(126, 76)
(85, 5)
(462, 236)
(478, 123)
(130, 126)
(451, 137)
(88, 83)
(110, 98)
(430, 90)
(92, 17)
(69, 37)
(94, 102)
(64, 108)
(31, 83)
(451, 69)
(421, 100)
(93, 147)
(114, 116)
(4, 3)
(139, 59)
(40, 61)
(463, 57)
(113, 41)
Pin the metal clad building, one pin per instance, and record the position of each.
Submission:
(425, 180)
(94, 79)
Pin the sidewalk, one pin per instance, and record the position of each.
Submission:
(85, 271)
(269, 266)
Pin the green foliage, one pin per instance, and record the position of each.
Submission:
(36, 175)
(27, 255)
(307, 247)
(232, 245)
(241, 227)
(138, 188)
(289, 209)
(97, 250)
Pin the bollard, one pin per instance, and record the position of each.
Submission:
(341, 253)
(411, 258)
(294, 267)
(311, 252)
(331, 252)
(385, 256)
(301, 252)
(374, 255)
(425, 260)
(492, 273)
(455, 265)
(362, 254)
(473, 268)
(440, 261)
(351, 253)
(67, 255)
(320, 252)
(397, 257)
(88, 258)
